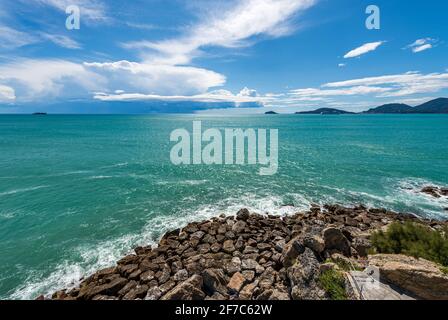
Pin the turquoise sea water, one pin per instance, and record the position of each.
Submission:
(78, 192)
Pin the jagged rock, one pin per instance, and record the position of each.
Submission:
(153, 294)
(216, 247)
(128, 287)
(335, 240)
(233, 266)
(279, 295)
(163, 275)
(138, 292)
(362, 246)
(130, 259)
(204, 248)
(187, 290)
(263, 246)
(239, 227)
(249, 250)
(249, 264)
(176, 266)
(104, 298)
(291, 251)
(228, 246)
(197, 235)
(236, 282)
(181, 275)
(243, 214)
(110, 289)
(248, 290)
(303, 276)
(126, 270)
(267, 279)
(315, 243)
(249, 275)
(214, 281)
(183, 235)
(193, 268)
(216, 297)
(239, 243)
(167, 286)
(420, 277)
(208, 238)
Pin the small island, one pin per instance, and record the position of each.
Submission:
(271, 112)
(39, 114)
(326, 111)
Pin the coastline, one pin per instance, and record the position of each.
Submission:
(260, 257)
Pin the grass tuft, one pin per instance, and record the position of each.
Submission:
(333, 282)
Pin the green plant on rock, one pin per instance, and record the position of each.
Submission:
(333, 282)
(413, 239)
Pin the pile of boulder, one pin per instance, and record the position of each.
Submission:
(247, 257)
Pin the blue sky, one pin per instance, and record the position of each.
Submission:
(226, 56)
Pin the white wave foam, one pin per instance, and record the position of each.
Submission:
(11, 192)
(100, 177)
(68, 274)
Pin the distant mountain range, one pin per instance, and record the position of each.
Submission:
(437, 106)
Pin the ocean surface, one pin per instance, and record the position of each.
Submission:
(78, 192)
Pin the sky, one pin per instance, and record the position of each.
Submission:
(232, 56)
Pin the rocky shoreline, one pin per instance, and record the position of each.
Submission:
(262, 257)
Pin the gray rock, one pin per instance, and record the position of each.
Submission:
(181, 275)
(233, 266)
(243, 214)
(239, 227)
(228, 246)
(153, 294)
(214, 281)
(335, 240)
(291, 251)
(187, 290)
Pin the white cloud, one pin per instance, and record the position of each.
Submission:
(365, 48)
(342, 65)
(422, 45)
(422, 48)
(405, 84)
(92, 11)
(12, 39)
(61, 40)
(157, 79)
(246, 92)
(232, 28)
(41, 78)
(210, 97)
(357, 90)
(7, 94)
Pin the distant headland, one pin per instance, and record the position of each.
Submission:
(436, 106)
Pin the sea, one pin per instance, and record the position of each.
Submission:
(77, 192)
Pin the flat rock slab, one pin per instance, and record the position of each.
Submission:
(367, 287)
